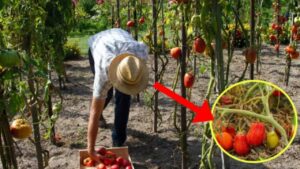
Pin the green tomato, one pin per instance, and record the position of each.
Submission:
(9, 58)
(297, 20)
(272, 140)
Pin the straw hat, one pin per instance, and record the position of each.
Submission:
(128, 73)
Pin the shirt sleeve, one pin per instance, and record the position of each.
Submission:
(101, 84)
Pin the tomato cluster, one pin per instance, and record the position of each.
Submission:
(291, 51)
(242, 142)
(108, 160)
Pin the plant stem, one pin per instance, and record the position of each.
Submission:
(268, 119)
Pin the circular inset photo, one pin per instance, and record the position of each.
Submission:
(254, 121)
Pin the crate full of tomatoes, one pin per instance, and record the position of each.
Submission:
(111, 158)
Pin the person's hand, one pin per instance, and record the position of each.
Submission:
(94, 155)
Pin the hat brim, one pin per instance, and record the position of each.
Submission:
(128, 89)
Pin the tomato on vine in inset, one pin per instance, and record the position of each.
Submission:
(225, 140)
(276, 93)
(256, 134)
(240, 144)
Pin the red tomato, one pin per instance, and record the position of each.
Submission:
(142, 20)
(126, 163)
(294, 29)
(115, 166)
(101, 151)
(110, 154)
(119, 161)
(294, 55)
(199, 45)
(130, 24)
(225, 140)
(175, 52)
(256, 134)
(101, 166)
(273, 38)
(88, 162)
(290, 49)
(189, 80)
(229, 129)
(277, 93)
(240, 144)
(107, 161)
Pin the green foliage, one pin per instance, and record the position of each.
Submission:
(88, 6)
(71, 51)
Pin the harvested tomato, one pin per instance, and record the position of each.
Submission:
(126, 163)
(256, 134)
(128, 167)
(189, 79)
(20, 129)
(107, 161)
(119, 161)
(225, 100)
(88, 162)
(175, 52)
(199, 45)
(130, 24)
(115, 166)
(250, 55)
(110, 154)
(225, 140)
(101, 151)
(101, 166)
(272, 139)
(240, 144)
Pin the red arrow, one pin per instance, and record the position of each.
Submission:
(203, 113)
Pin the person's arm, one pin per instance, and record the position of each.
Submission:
(95, 113)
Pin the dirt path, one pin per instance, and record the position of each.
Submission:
(148, 149)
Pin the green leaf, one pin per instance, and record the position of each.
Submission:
(202, 69)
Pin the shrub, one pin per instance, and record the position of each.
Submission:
(72, 52)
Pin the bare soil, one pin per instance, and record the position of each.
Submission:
(148, 149)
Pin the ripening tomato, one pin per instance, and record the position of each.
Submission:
(294, 55)
(294, 29)
(128, 167)
(250, 55)
(256, 134)
(225, 100)
(175, 52)
(272, 139)
(130, 24)
(240, 144)
(273, 38)
(199, 45)
(290, 49)
(189, 79)
(225, 140)
(88, 162)
(20, 129)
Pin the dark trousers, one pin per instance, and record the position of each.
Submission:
(122, 106)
